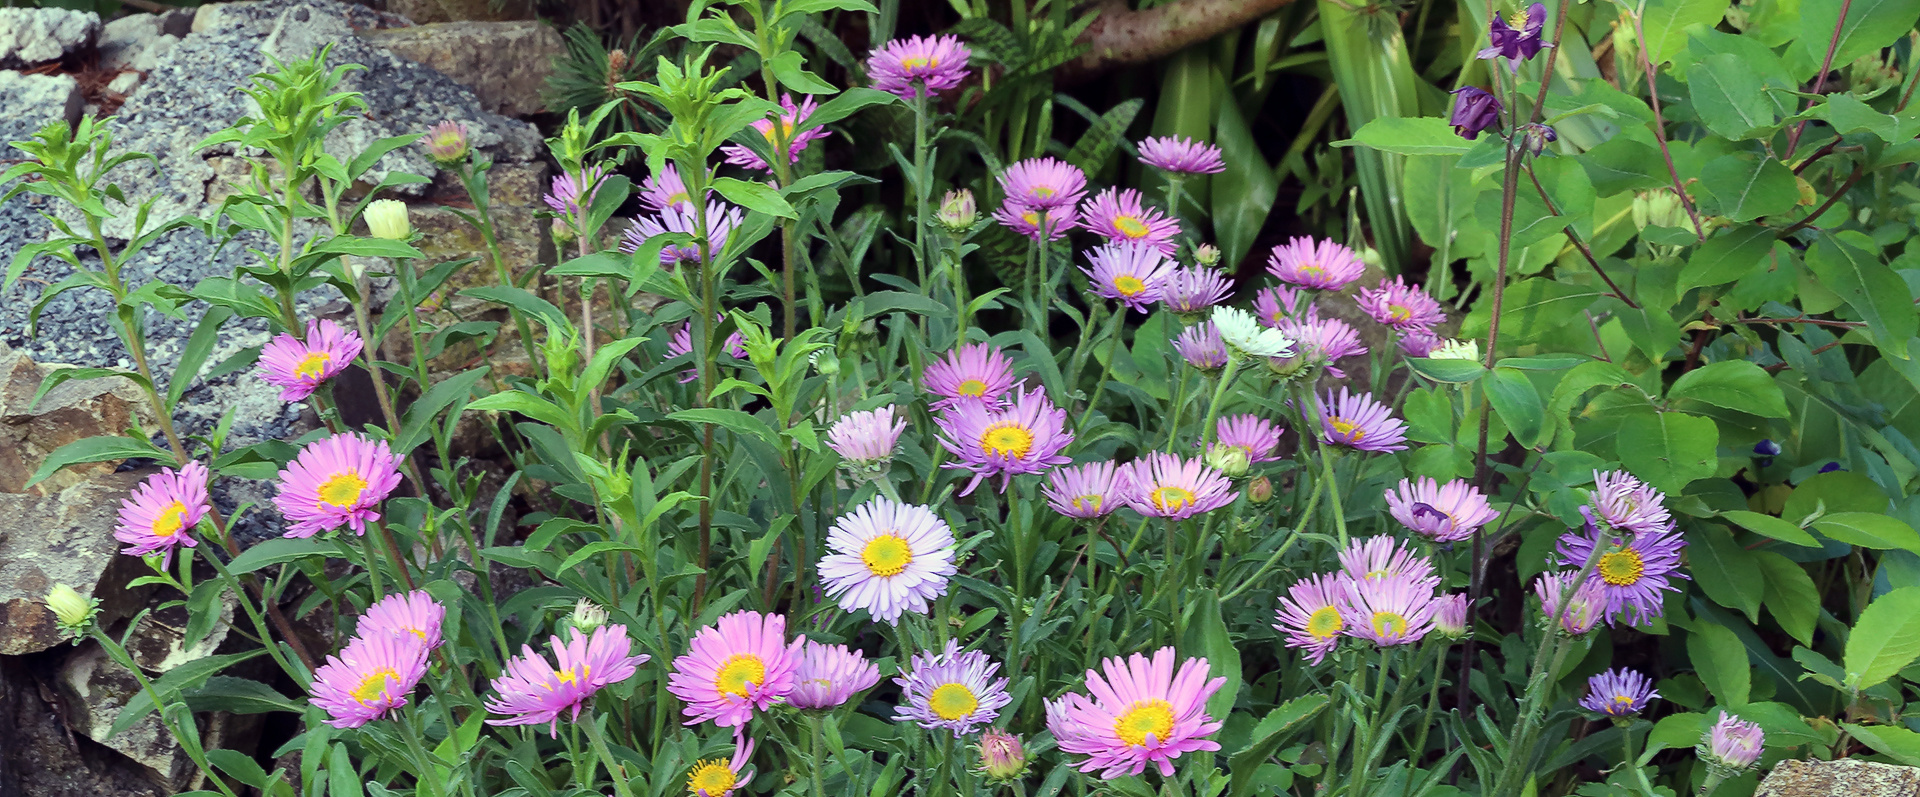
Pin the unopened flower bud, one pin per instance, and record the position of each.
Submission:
(1260, 490)
(957, 211)
(1731, 745)
(72, 611)
(1450, 615)
(446, 143)
(1766, 448)
(1206, 254)
(827, 363)
(1231, 461)
(1002, 759)
(1457, 350)
(1657, 208)
(587, 616)
(1535, 137)
(617, 62)
(562, 232)
(387, 218)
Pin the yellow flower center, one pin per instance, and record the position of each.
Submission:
(1042, 191)
(920, 62)
(565, 676)
(887, 555)
(1389, 624)
(1087, 503)
(1622, 700)
(1130, 226)
(1517, 20)
(1621, 568)
(786, 130)
(953, 701)
(1031, 217)
(972, 387)
(374, 686)
(1170, 498)
(1325, 623)
(1313, 270)
(740, 675)
(1399, 313)
(1146, 718)
(314, 365)
(1347, 429)
(1007, 439)
(342, 490)
(171, 520)
(1128, 284)
(676, 200)
(711, 777)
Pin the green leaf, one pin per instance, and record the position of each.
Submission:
(1208, 632)
(1675, 731)
(879, 302)
(754, 196)
(1870, 25)
(1770, 526)
(1892, 741)
(526, 404)
(523, 301)
(1273, 731)
(1848, 114)
(1721, 660)
(1884, 640)
(1735, 384)
(198, 348)
(186, 676)
(422, 414)
(239, 766)
(733, 420)
(1791, 597)
(1421, 135)
(789, 68)
(342, 779)
(1452, 371)
(1518, 403)
(58, 376)
(1669, 449)
(1728, 95)
(1665, 23)
(1726, 257)
(1724, 570)
(1839, 491)
(1871, 288)
(96, 449)
(278, 550)
(1243, 195)
(1868, 530)
(237, 695)
(843, 106)
(1745, 187)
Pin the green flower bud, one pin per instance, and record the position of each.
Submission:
(387, 218)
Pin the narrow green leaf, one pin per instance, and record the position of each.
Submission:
(96, 449)
(1892, 741)
(1868, 530)
(1421, 135)
(758, 197)
(1770, 526)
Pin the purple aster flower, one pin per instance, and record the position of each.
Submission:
(1120, 216)
(1382, 556)
(572, 194)
(1167, 486)
(1632, 571)
(1420, 342)
(446, 142)
(1202, 347)
(1130, 274)
(1323, 341)
(866, 439)
(1357, 421)
(1028, 221)
(906, 67)
(1618, 693)
(888, 558)
(1450, 615)
(1025, 438)
(682, 344)
(1193, 291)
(534, 692)
(162, 512)
(1320, 265)
(791, 117)
(1628, 504)
(1518, 39)
(1043, 184)
(1274, 305)
(298, 367)
(1401, 306)
(1137, 712)
(740, 665)
(1733, 744)
(1182, 155)
(1442, 513)
(1474, 110)
(1585, 605)
(976, 373)
(722, 218)
(1087, 491)
(415, 613)
(664, 190)
(368, 679)
(1256, 436)
(829, 676)
(1387, 611)
(951, 690)
(1310, 615)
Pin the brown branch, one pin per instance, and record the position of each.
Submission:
(1574, 238)
(1858, 170)
(1826, 67)
(1120, 36)
(1660, 132)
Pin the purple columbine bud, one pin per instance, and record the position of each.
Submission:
(1517, 39)
(1474, 110)
(1766, 448)
(1535, 137)
(1831, 467)
(1002, 759)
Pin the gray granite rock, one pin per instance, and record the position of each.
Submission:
(62, 538)
(137, 41)
(1849, 777)
(33, 102)
(34, 36)
(505, 63)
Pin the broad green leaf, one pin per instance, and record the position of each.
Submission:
(1724, 570)
(1675, 731)
(1726, 257)
(1745, 187)
(1665, 23)
(1727, 94)
(754, 196)
(278, 550)
(1734, 384)
(734, 420)
(1892, 741)
(96, 449)
(1839, 491)
(1868, 530)
(1869, 26)
(1451, 371)
(1871, 288)
(342, 779)
(1848, 114)
(1623, 164)
(1791, 597)
(790, 69)
(1770, 526)
(1884, 640)
(1243, 195)
(1423, 135)
(526, 404)
(1273, 731)
(1721, 660)
(1669, 449)
(1518, 403)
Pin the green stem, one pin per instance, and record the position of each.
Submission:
(818, 739)
(1333, 493)
(372, 562)
(299, 674)
(1313, 502)
(428, 780)
(1219, 396)
(1433, 705)
(1713, 782)
(194, 751)
(615, 771)
(1106, 368)
(1179, 406)
(1639, 774)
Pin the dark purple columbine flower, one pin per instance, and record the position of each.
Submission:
(1535, 137)
(1474, 110)
(1517, 39)
(1831, 467)
(1766, 448)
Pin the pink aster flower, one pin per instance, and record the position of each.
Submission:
(722, 219)
(951, 690)
(1182, 155)
(1388, 611)
(1277, 304)
(1086, 491)
(1450, 615)
(1633, 570)
(1628, 504)
(1024, 438)
(791, 117)
(446, 142)
(369, 678)
(1618, 693)
(1358, 422)
(1310, 616)
(1137, 712)
(298, 366)
(737, 666)
(888, 558)
(712, 777)
(1194, 291)
(1419, 342)
(1732, 743)
(1128, 273)
(1168, 486)
(665, 189)
(1382, 557)
(414, 613)
(906, 67)
(162, 512)
(1584, 606)
(1043, 183)
(338, 481)
(1399, 305)
(572, 194)
(1443, 513)
(1202, 347)
(1031, 222)
(1320, 265)
(1121, 217)
(866, 439)
(681, 344)
(534, 692)
(1253, 434)
(1324, 341)
(976, 373)
(830, 675)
